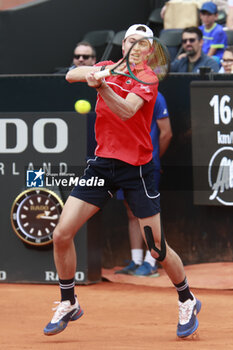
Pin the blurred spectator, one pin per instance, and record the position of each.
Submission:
(84, 55)
(193, 58)
(161, 134)
(180, 14)
(227, 61)
(222, 5)
(215, 39)
(229, 23)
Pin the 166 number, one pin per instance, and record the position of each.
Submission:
(222, 111)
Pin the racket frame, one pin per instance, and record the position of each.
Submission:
(107, 72)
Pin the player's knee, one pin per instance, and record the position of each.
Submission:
(155, 254)
(158, 253)
(60, 237)
(160, 256)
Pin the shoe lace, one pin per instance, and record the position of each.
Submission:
(185, 311)
(61, 309)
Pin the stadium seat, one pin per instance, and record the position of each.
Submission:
(171, 38)
(222, 17)
(116, 47)
(229, 34)
(155, 22)
(101, 40)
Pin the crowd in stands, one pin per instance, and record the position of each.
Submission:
(206, 44)
(202, 45)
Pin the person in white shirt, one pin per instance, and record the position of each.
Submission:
(229, 23)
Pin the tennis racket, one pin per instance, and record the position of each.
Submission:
(147, 62)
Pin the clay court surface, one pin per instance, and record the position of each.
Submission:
(119, 316)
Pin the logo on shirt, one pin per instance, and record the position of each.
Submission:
(145, 87)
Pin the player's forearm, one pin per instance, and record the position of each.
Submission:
(79, 74)
(123, 108)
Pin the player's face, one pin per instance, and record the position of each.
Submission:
(227, 62)
(207, 18)
(83, 56)
(139, 52)
(191, 43)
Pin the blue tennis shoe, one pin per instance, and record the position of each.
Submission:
(188, 322)
(129, 269)
(65, 312)
(146, 269)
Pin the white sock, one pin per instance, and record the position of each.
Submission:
(149, 258)
(137, 256)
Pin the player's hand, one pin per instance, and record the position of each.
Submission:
(92, 81)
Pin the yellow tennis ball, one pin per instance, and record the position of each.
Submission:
(82, 106)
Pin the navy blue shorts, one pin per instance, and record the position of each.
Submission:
(120, 193)
(104, 176)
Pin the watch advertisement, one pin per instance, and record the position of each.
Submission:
(42, 157)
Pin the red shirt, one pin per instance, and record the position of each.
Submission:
(128, 140)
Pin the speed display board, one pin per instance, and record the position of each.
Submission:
(212, 142)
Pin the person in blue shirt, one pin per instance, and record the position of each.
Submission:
(161, 135)
(192, 57)
(214, 37)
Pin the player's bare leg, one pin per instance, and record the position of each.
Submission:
(189, 306)
(136, 244)
(172, 263)
(148, 266)
(75, 213)
(135, 236)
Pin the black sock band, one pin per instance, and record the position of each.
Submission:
(183, 291)
(67, 290)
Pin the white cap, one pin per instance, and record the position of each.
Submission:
(135, 29)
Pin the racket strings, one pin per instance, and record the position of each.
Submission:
(159, 60)
(154, 64)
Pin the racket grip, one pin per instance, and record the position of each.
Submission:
(102, 74)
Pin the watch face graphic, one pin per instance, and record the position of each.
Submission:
(35, 214)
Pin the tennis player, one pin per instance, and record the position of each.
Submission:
(123, 159)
